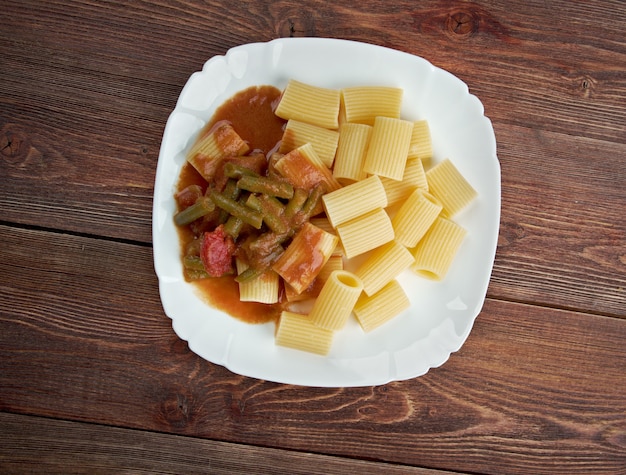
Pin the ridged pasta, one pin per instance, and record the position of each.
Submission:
(219, 142)
(309, 250)
(414, 177)
(336, 300)
(354, 200)
(311, 104)
(383, 265)
(421, 144)
(389, 147)
(352, 147)
(365, 233)
(446, 183)
(375, 310)
(263, 289)
(298, 332)
(436, 250)
(324, 141)
(304, 169)
(414, 217)
(362, 104)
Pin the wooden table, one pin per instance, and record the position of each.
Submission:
(94, 380)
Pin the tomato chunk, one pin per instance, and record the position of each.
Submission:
(216, 251)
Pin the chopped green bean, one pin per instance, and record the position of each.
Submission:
(247, 215)
(295, 204)
(200, 208)
(272, 211)
(266, 186)
(233, 226)
(233, 170)
(312, 200)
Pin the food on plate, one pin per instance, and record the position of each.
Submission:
(282, 190)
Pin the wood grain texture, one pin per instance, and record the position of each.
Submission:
(90, 368)
(32, 445)
(510, 398)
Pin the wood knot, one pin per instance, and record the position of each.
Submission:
(12, 143)
(462, 23)
(295, 22)
(177, 410)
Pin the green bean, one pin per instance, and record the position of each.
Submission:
(233, 170)
(194, 268)
(272, 211)
(312, 200)
(200, 208)
(266, 186)
(295, 204)
(232, 191)
(233, 226)
(247, 215)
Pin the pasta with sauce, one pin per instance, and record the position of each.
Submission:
(280, 211)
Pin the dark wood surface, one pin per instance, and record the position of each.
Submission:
(94, 380)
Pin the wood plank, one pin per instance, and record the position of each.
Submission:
(83, 340)
(561, 237)
(527, 71)
(32, 444)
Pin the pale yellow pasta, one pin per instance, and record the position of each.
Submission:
(307, 253)
(372, 311)
(218, 142)
(336, 300)
(436, 250)
(304, 169)
(383, 265)
(414, 177)
(414, 217)
(421, 144)
(298, 332)
(354, 200)
(324, 141)
(311, 104)
(352, 147)
(362, 104)
(389, 146)
(263, 289)
(365, 233)
(446, 183)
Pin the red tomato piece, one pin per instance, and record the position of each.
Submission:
(216, 251)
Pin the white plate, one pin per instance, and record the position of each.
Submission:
(441, 314)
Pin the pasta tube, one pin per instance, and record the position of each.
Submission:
(421, 145)
(436, 250)
(336, 300)
(362, 104)
(414, 177)
(372, 311)
(354, 200)
(383, 265)
(414, 217)
(389, 147)
(324, 141)
(365, 233)
(307, 103)
(447, 184)
(298, 332)
(263, 289)
(352, 147)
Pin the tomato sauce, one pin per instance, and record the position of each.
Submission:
(251, 113)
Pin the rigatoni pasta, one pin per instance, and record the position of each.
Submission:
(336, 300)
(436, 250)
(323, 140)
(374, 310)
(414, 177)
(382, 265)
(389, 147)
(365, 233)
(362, 104)
(414, 217)
(450, 187)
(421, 144)
(262, 289)
(298, 332)
(311, 104)
(352, 147)
(354, 200)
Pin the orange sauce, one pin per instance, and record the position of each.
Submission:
(251, 113)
